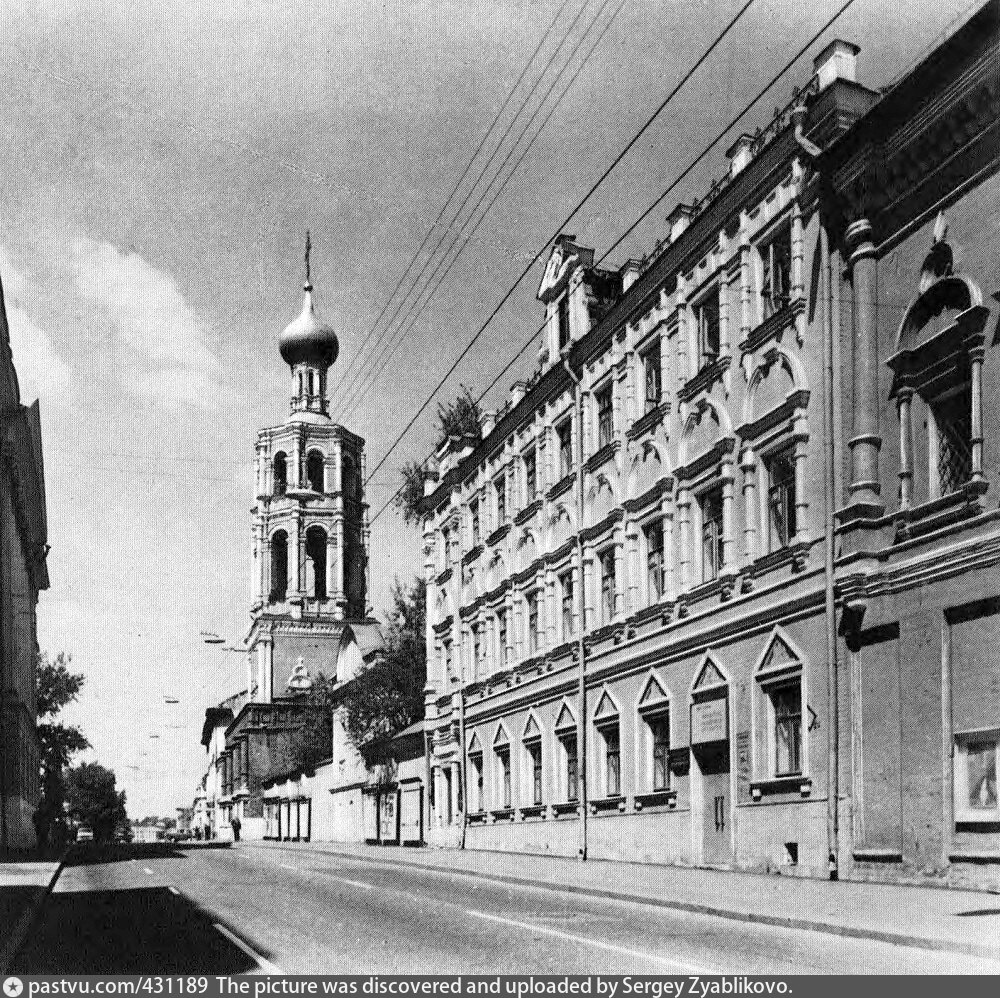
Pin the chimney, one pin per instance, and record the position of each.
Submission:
(740, 153)
(629, 273)
(838, 61)
(678, 220)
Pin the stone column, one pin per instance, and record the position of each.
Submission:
(296, 469)
(669, 552)
(976, 358)
(439, 796)
(339, 565)
(748, 465)
(631, 568)
(456, 786)
(904, 401)
(619, 542)
(338, 466)
(331, 565)
(684, 515)
(865, 443)
(293, 559)
(801, 437)
(728, 539)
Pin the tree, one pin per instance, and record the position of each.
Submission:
(58, 742)
(459, 418)
(93, 799)
(389, 694)
(313, 741)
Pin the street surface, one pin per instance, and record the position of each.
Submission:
(258, 909)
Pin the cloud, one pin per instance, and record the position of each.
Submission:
(41, 372)
(150, 316)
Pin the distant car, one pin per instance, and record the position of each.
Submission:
(84, 834)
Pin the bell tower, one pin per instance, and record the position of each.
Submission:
(310, 523)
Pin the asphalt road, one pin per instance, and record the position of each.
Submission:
(254, 909)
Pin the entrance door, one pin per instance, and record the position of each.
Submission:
(716, 805)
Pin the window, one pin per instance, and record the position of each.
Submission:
(446, 656)
(476, 762)
(314, 470)
(953, 423)
(605, 420)
(659, 735)
(607, 562)
(530, 476)
(503, 762)
(533, 749)
(477, 649)
(711, 534)
(566, 587)
(655, 569)
(500, 487)
(502, 637)
(279, 567)
(568, 743)
(280, 468)
(781, 499)
(776, 270)
(474, 517)
(653, 376)
(786, 719)
(534, 622)
(976, 770)
(612, 760)
(706, 314)
(564, 434)
(316, 562)
(563, 311)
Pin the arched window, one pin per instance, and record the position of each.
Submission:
(312, 383)
(316, 562)
(279, 567)
(314, 471)
(280, 468)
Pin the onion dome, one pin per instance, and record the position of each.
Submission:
(308, 339)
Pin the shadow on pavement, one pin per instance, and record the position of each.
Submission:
(91, 853)
(141, 931)
(13, 901)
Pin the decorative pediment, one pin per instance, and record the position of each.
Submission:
(562, 262)
(709, 676)
(606, 707)
(779, 654)
(653, 693)
(501, 738)
(565, 718)
(531, 729)
(475, 745)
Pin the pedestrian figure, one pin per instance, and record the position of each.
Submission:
(236, 825)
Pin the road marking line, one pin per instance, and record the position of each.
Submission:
(265, 965)
(285, 866)
(623, 950)
(173, 890)
(146, 869)
(359, 883)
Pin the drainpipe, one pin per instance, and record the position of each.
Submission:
(581, 648)
(829, 497)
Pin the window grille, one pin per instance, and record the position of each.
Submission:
(953, 417)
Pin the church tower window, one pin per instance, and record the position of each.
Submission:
(280, 468)
(279, 567)
(314, 471)
(316, 562)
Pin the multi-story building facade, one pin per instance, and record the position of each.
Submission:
(23, 574)
(666, 589)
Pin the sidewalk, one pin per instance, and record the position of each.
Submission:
(24, 885)
(925, 917)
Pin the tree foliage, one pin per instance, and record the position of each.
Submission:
(458, 418)
(389, 694)
(58, 742)
(94, 800)
(313, 741)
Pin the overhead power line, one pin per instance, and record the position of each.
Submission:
(645, 214)
(408, 322)
(458, 184)
(537, 256)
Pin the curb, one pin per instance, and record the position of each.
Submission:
(28, 916)
(804, 924)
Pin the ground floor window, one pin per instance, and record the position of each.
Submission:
(658, 726)
(612, 760)
(571, 762)
(533, 750)
(786, 727)
(476, 763)
(503, 786)
(977, 766)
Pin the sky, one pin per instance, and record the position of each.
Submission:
(162, 163)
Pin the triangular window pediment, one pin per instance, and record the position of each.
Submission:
(565, 718)
(606, 707)
(778, 655)
(653, 693)
(475, 745)
(502, 738)
(531, 729)
(709, 678)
